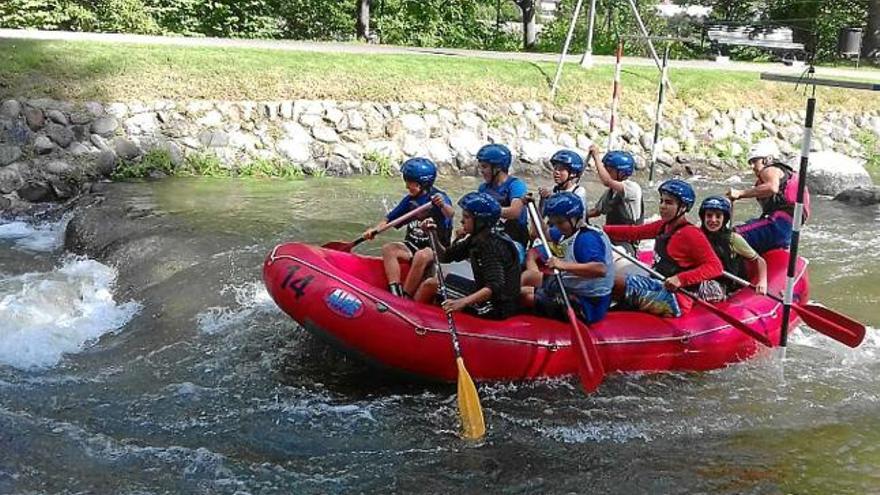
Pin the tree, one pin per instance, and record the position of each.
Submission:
(871, 43)
(528, 20)
(363, 19)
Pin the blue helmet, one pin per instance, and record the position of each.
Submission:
(715, 203)
(482, 206)
(564, 204)
(568, 159)
(419, 170)
(680, 190)
(622, 161)
(496, 155)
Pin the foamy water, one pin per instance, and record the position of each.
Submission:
(249, 299)
(27, 236)
(46, 315)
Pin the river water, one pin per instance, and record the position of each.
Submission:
(199, 384)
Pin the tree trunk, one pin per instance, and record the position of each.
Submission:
(528, 20)
(871, 42)
(363, 19)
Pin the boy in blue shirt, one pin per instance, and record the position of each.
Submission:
(419, 175)
(495, 160)
(587, 265)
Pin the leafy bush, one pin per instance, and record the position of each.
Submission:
(204, 164)
(269, 168)
(381, 164)
(438, 23)
(46, 14)
(155, 160)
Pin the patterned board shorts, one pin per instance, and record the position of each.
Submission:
(649, 295)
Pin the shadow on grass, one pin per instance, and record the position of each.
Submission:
(35, 69)
(544, 74)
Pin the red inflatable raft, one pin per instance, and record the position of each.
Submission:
(342, 297)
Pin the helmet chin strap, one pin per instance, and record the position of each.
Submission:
(680, 212)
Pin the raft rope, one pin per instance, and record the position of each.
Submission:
(422, 329)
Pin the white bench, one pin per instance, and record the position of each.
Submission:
(778, 40)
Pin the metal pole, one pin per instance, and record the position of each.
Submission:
(658, 115)
(587, 60)
(615, 95)
(797, 220)
(577, 11)
(644, 30)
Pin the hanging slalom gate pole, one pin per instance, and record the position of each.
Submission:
(577, 11)
(802, 172)
(615, 95)
(658, 115)
(796, 221)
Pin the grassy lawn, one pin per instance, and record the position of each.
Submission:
(81, 71)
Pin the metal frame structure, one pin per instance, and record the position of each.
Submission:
(806, 79)
(588, 55)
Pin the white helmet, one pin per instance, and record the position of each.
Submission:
(763, 149)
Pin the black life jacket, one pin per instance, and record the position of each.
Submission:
(620, 213)
(733, 263)
(778, 202)
(664, 263)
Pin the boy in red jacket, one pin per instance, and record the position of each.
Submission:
(681, 252)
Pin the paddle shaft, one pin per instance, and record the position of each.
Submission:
(732, 321)
(456, 347)
(398, 221)
(592, 373)
(533, 212)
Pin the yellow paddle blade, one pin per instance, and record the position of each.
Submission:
(472, 424)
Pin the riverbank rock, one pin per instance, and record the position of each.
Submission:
(8, 154)
(860, 196)
(831, 173)
(339, 138)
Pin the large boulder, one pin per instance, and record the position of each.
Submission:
(831, 173)
(860, 196)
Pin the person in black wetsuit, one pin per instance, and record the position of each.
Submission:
(494, 260)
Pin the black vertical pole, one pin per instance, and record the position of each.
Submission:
(798, 219)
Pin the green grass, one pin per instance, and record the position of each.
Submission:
(871, 143)
(82, 71)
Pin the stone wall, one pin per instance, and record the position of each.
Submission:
(50, 149)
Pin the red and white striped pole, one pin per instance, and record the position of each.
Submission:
(615, 96)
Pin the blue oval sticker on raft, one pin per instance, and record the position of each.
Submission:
(344, 304)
